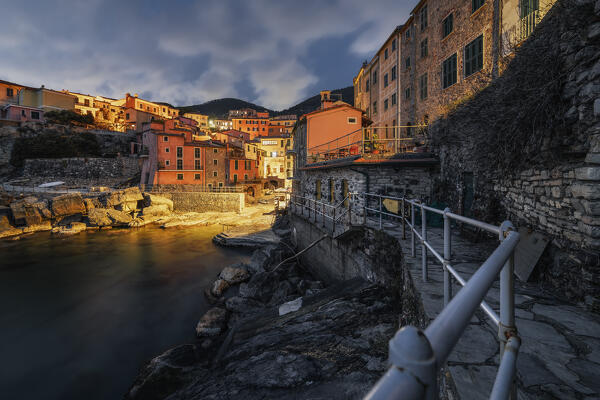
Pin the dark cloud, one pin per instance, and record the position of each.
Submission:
(186, 52)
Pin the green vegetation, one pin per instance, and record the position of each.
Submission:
(67, 117)
(53, 144)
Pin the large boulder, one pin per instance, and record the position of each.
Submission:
(157, 210)
(261, 287)
(30, 211)
(234, 275)
(119, 197)
(212, 323)
(154, 200)
(219, 286)
(99, 217)
(68, 204)
(6, 229)
(108, 217)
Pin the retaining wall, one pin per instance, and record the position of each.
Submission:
(206, 202)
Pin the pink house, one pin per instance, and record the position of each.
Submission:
(13, 112)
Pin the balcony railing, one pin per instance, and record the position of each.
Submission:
(372, 142)
(528, 23)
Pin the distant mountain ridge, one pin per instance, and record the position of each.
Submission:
(219, 108)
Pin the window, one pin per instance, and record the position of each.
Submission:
(197, 177)
(449, 71)
(385, 105)
(167, 163)
(35, 115)
(86, 102)
(367, 86)
(164, 109)
(282, 143)
(127, 116)
(477, 4)
(215, 173)
(167, 150)
(394, 73)
(385, 54)
(10, 92)
(424, 18)
(351, 120)
(318, 190)
(424, 49)
(394, 44)
(374, 107)
(407, 62)
(407, 34)
(165, 139)
(196, 152)
(220, 184)
(528, 6)
(235, 164)
(448, 25)
(210, 186)
(385, 80)
(141, 106)
(245, 177)
(179, 164)
(394, 99)
(331, 191)
(234, 178)
(179, 177)
(423, 86)
(215, 151)
(197, 164)
(374, 77)
(247, 164)
(179, 152)
(215, 162)
(407, 93)
(474, 56)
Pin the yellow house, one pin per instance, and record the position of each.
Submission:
(46, 99)
(9, 92)
(201, 119)
(277, 162)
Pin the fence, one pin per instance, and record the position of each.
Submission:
(417, 356)
(378, 142)
(190, 189)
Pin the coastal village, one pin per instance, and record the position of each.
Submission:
(458, 124)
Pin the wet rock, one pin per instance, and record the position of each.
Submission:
(72, 229)
(260, 259)
(119, 217)
(212, 323)
(154, 200)
(157, 210)
(218, 287)
(127, 206)
(89, 204)
(305, 285)
(290, 306)
(68, 204)
(234, 275)
(6, 229)
(277, 369)
(30, 211)
(260, 287)
(242, 305)
(284, 289)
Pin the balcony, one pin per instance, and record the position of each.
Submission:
(372, 143)
(528, 23)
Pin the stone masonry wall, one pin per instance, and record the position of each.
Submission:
(119, 168)
(206, 202)
(527, 149)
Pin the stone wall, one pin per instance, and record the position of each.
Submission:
(527, 149)
(206, 201)
(118, 169)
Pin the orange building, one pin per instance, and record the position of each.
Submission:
(174, 157)
(241, 168)
(255, 126)
(9, 92)
(336, 126)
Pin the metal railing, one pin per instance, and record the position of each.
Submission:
(528, 23)
(417, 356)
(329, 215)
(378, 141)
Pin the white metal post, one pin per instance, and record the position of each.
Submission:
(447, 252)
(507, 328)
(423, 247)
(380, 215)
(412, 230)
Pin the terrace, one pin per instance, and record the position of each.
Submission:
(372, 143)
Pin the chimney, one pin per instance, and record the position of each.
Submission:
(135, 95)
(326, 99)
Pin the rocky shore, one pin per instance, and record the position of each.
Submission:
(275, 331)
(73, 213)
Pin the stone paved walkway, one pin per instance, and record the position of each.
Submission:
(560, 352)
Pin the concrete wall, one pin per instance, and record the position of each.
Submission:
(206, 202)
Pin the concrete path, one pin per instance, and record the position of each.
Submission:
(560, 351)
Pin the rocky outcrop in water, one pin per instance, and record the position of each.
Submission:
(277, 332)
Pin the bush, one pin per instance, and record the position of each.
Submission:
(68, 117)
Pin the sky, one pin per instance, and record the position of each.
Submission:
(273, 53)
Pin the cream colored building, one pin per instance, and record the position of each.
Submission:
(201, 119)
(277, 161)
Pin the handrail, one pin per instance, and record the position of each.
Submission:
(417, 356)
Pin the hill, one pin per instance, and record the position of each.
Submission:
(220, 107)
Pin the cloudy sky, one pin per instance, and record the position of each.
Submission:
(274, 53)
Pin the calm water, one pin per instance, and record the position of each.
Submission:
(79, 316)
